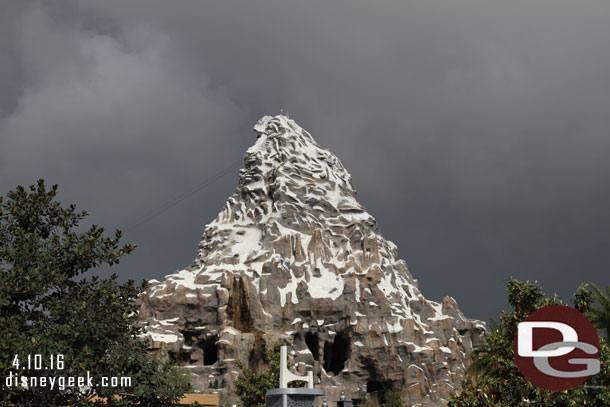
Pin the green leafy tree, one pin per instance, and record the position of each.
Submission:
(77, 325)
(600, 317)
(390, 399)
(494, 379)
(252, 387)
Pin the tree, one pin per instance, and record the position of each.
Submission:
(252, 387)
(600, 317)
(494, 379)
(57, 323)
(390, 399)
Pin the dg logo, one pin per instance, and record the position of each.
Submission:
(557, 348)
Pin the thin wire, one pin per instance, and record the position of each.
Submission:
(180, 198)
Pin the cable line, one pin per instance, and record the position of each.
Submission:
(180, 198)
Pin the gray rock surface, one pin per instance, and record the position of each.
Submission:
(294, 258)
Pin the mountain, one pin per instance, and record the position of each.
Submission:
(293, 257)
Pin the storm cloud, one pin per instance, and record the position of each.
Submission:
(476, 132)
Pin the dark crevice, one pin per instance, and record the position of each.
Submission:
(190, 337)
(311, 339)
(336, 353)
(210, 350)
(377, 390)
(373, 386)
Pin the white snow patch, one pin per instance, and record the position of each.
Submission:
(247, 242)
(328, 285)
(438, 318)
(168, 321)
(437, 307)
(415, 366)
(167, 338)
(230, 330)
(395, 327)
(418, 348)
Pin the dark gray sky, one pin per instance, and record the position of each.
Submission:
(476, 132)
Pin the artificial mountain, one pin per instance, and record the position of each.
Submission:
(293, 257)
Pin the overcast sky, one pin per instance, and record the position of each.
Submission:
(477, 132)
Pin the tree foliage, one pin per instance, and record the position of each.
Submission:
(390, 399)
(49, 308)
(600, 317)
(494, 379)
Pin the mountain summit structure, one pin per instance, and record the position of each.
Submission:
(293, 257)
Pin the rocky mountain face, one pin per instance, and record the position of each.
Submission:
(294, 258)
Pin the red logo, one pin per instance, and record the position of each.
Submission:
(557, 348)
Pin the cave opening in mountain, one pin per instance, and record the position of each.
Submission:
(336, 353)
(190, 337)
(311, 339)
(373, 386)
(376, 390)
(210, 350)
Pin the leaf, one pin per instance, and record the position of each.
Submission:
(46, 310)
